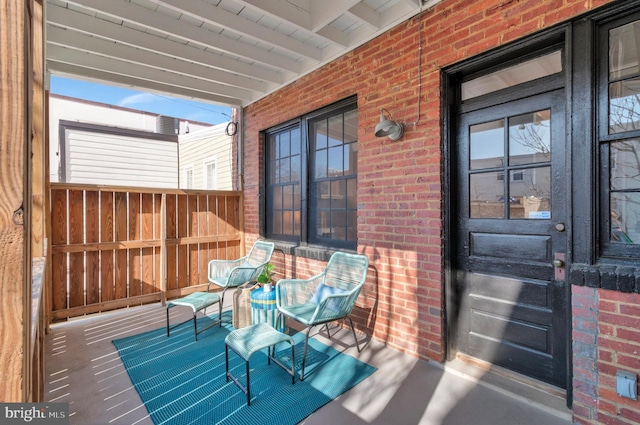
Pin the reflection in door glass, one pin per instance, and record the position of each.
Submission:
(486, 195)
(486, 145)
(530, 193)
(530, 138)
(625, 164)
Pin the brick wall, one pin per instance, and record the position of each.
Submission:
(399, 183)
(618, 349)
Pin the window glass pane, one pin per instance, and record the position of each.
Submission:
(296, 168)
(338, 225)
(211, 175)
(335, 161)
(285, 170)
(624, 106)
(287, 223)
(335, 130)
(277, 222)
(625, 217)
(295, 142)
(324, 194)
(530, 138)
(296, 196)
(624, 45)
(287, 197)
(274, 174)
(486, 145)
(486, 196)
(350, 158)
(321, 164)
(339, 194)
(320, 132)
(276, 194)
(351, 126)
(284, 144)
(526, 71)
(273, 143)
(625, 164)
(530, 193)
(324, 224)
(296, 222)
(352, 194)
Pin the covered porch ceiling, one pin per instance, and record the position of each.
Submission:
(225, 52)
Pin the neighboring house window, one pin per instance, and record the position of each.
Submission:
(315, 155)
(211, 182)
(620, 137)
(187, 178)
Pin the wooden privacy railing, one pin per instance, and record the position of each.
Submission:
(113, 247)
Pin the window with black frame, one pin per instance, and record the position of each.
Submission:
(620, 140)
(317, 156)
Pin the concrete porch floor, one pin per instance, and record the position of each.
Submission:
(83, 369)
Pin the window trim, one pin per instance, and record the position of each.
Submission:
(205, 174)
(184, 182)
(302, 244)
(608, 249)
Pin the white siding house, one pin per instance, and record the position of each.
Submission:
(206, 159)
(105, 155)
(96, 143)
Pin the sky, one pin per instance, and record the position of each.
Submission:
(148, 102)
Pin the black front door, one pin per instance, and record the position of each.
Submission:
(510, 225)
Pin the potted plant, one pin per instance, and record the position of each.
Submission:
(265, 277)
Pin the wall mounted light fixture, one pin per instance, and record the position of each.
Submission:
(388, 127)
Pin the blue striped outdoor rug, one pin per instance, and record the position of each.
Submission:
(182, 381)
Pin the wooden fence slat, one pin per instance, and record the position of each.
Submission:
(203, 230)
(76, 260)
(172, 232)
(107, 289)
(182, 222)
(192, 206)
(135, 228)
(121, 230)
(59, 261)
(147, 219)
(92, 232)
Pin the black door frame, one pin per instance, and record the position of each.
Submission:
(550, 39)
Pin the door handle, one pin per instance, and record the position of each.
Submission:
(558, 266)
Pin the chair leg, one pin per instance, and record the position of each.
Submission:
(195, 326)
(304, 353)
(168, 321)
(354, 333)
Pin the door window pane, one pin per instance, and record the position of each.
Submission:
(530, 138)
(486, 196)
(521, 73)
(624, 106)
(625, 164)
(624, 45)
(530, 193)
(486, 145)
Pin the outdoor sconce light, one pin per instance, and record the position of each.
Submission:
(388, 127)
